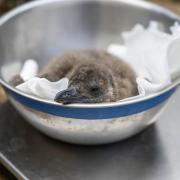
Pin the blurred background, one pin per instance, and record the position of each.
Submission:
(6, 5)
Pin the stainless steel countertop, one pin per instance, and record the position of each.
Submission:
(151, 155)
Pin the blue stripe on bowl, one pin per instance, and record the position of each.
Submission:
(93, 113)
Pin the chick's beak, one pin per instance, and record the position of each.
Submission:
(68, 96)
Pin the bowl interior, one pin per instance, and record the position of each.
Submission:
(43, 29)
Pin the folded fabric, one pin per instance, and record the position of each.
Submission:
(153, 54)
(29, 70)
(39, 87)
(43, 88)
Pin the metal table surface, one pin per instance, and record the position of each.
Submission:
(153, 154)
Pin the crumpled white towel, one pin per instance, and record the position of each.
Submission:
(39, 87)
(29, 70)
(43, 88)
(153, 54)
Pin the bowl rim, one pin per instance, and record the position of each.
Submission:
(139, 3)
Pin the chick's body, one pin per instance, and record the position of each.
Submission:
(94, 76)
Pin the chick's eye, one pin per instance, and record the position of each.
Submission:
(94, 89)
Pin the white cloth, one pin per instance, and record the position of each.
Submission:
(29, 70)
(43, 88)
(39, 87)
(153, 54)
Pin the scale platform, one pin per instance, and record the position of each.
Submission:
(153, 154)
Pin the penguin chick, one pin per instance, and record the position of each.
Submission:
(94, 77)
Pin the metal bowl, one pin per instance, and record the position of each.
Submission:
(42, 29)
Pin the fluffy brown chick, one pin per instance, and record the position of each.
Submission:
(94, 77)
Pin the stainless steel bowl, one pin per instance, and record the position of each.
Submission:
(42, 29)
